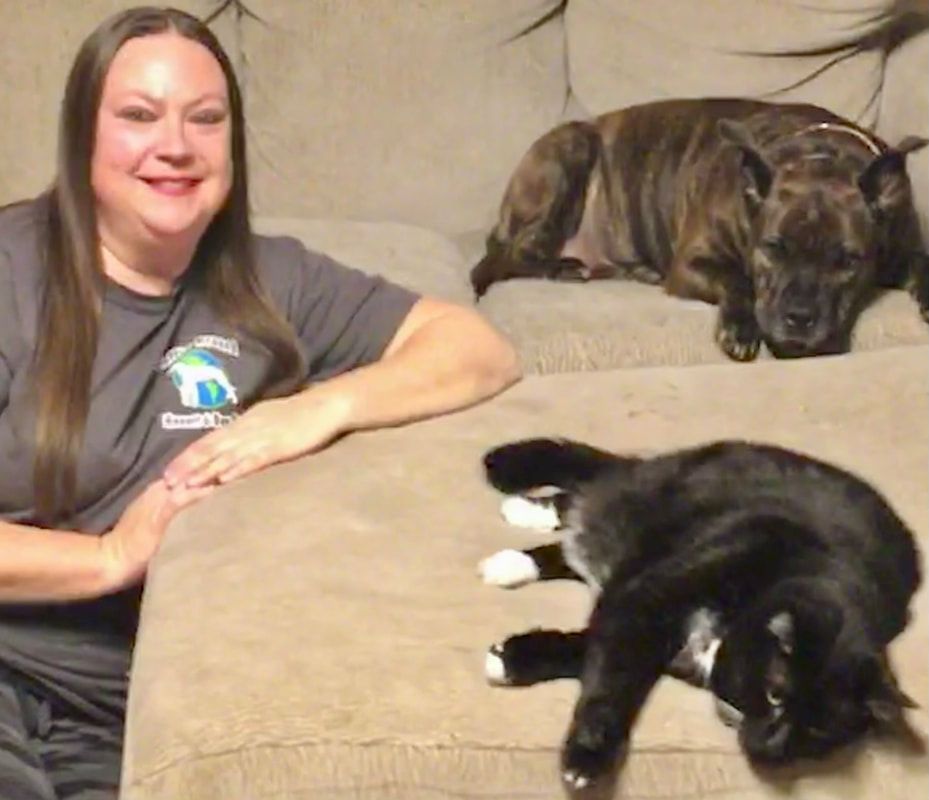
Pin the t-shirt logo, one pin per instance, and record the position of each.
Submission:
(201, 381)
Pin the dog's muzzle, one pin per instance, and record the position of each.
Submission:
(801, 320)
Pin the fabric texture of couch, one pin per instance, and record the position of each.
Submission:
(318, 630)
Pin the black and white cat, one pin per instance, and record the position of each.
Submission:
(773, 579)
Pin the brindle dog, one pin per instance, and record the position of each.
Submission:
(786, 216)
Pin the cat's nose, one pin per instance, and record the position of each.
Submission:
(775, 740)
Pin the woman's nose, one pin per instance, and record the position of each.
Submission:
(173, 143)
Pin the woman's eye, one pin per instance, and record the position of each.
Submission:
(137, 114)
(212, 117)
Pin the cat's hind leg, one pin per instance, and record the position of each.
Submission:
(535, 657)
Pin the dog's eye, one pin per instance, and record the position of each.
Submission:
(848, 259)
(775, 247)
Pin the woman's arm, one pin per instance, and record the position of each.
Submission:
(443, 357)
(44, 565)
(39, 565)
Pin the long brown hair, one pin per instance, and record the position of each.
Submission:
(70, 314)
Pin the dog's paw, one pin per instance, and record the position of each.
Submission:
(739, 337)
(508, 569)
(538, 515)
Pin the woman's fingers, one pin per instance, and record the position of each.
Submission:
(266, 434)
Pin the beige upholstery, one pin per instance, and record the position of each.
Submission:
(626, 53)
(318, 631)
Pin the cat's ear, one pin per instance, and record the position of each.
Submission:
(885, 699)
(781, 625)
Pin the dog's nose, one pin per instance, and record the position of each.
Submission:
(799, 319)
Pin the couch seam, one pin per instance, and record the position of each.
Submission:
(241, 12)
(471, 747)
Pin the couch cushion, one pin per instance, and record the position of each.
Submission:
(414, 257)
(359, 110)
(624, 53)
(559, 327)
(318, 631)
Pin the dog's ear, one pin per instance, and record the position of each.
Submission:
(884, 181)
(756, 172)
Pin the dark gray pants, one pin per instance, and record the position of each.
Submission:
(49, 753)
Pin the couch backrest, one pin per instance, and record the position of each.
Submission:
(367, 109)
(418, 111)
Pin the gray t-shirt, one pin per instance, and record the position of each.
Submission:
(167, 370)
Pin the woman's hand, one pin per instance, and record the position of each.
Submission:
(271, 431)
(130, 545)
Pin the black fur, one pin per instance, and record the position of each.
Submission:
(806, 568)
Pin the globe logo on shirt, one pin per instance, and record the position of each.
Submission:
(201, 380)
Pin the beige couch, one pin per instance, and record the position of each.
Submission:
(318, 631)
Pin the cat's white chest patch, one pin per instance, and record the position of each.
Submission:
(705, 659)
(702, 638)
(524, 513)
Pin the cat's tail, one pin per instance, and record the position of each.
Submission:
(518, 467)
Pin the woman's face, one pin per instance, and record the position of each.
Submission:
(161, 166)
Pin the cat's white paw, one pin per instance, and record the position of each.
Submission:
(494, 668)
(525, 513)
(575, 780)
(508, 569)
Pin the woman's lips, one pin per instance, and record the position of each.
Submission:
(173, 187)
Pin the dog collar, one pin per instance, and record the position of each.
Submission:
(838, 127)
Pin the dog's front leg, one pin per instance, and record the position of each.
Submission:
(725, 283)
(918, 283)
(737, 331)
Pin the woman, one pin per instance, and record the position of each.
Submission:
(152, 348)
